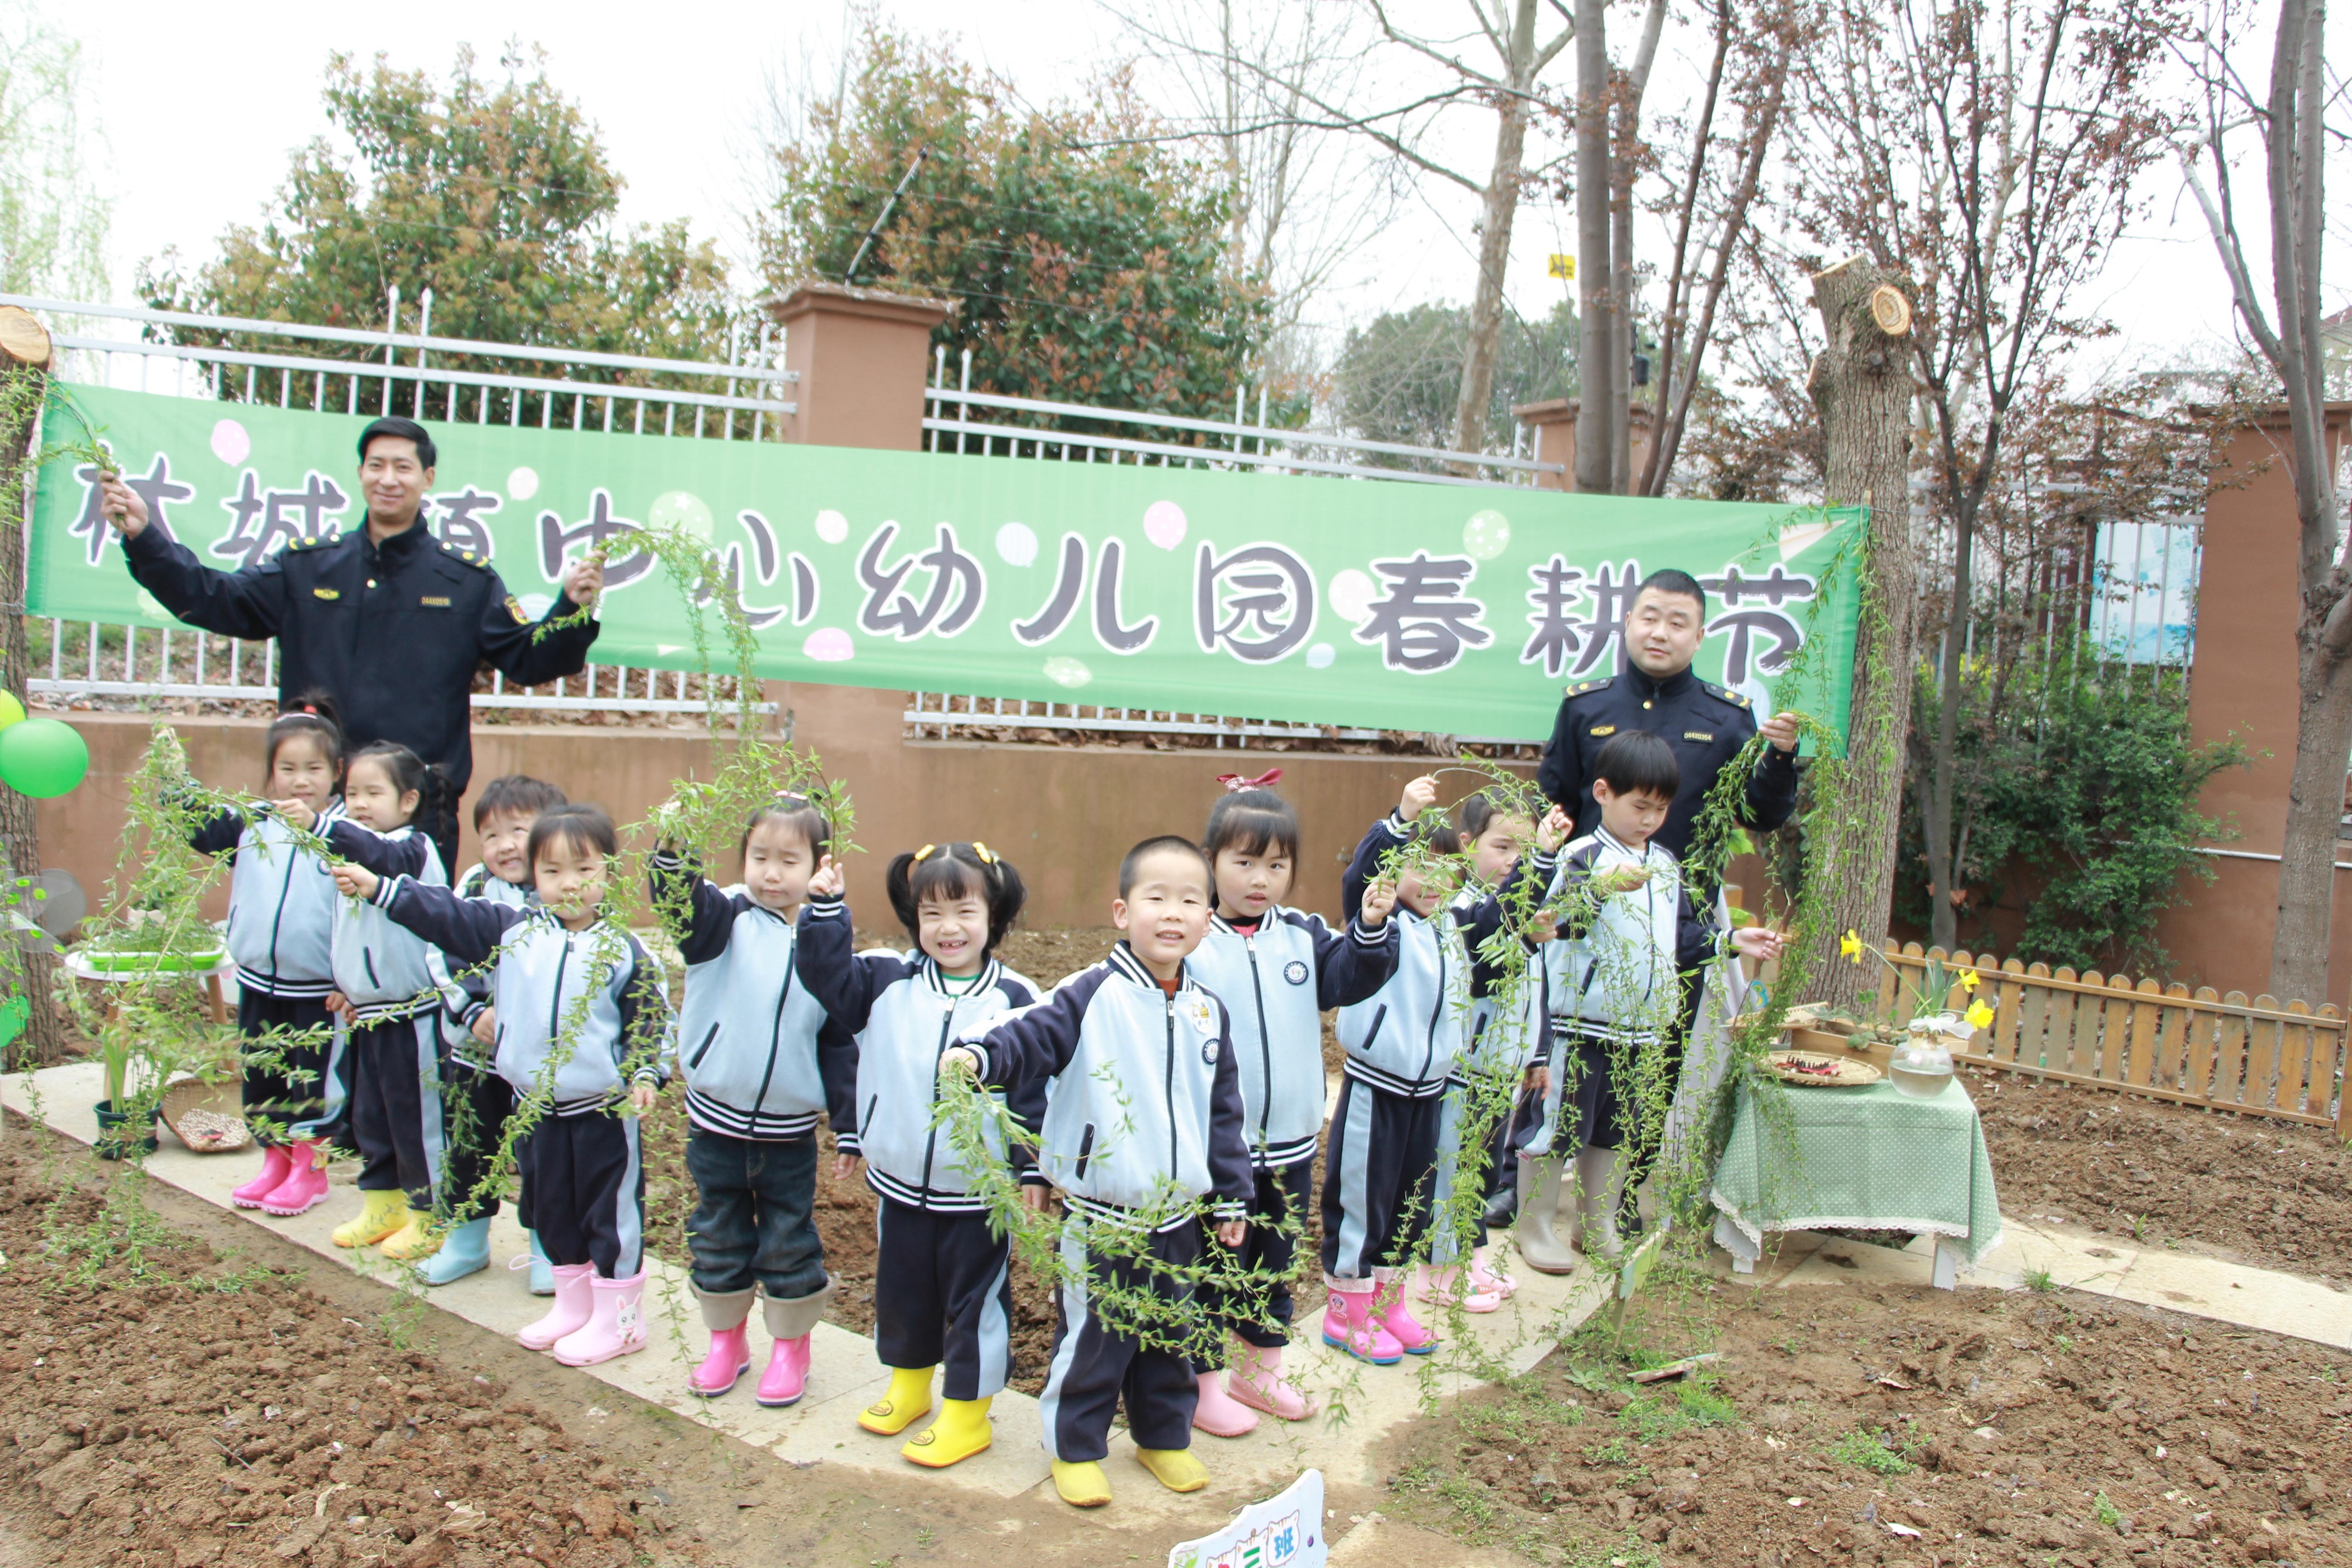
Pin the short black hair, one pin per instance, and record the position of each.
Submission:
(1251, 822)
(1173, 843)
(955, 872)
(798, 814)
(312, 717)
(1478, 812)
(583, 826)
(393, 425)
(1672, 580)
(1638, 763)
(407, 771)
(516, 795)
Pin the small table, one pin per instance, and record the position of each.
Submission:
(81, 968)
(1856, 1159)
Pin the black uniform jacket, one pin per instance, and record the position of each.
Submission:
(1705, 724)
(392, 632)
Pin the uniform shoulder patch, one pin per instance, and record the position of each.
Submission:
(514, 608)
(1581, 687)
(314, 541)
(1725, 694)
(474, 558)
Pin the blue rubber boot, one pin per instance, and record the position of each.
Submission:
(464, 1250)
(542, 1267)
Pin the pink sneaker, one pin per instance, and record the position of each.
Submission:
(615, 1325)
(1442, 1286)
(1485, 1279)
(276, 1165)
(1219, 1413)
(1256, 1381)
(1349, 1325)
(786, 1378)
(1389, 1312)
(305, 1186)
(573, 1298)
(730, 1359)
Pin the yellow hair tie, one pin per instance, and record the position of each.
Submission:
(924, 851)
(981, 850)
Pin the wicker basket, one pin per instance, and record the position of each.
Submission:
(204, 1116)
(1827, 1071)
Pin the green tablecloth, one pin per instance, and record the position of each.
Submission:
(1858, 1159)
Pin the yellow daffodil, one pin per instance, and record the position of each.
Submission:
(1850, 946)
(1968, 979)
(1979, 1015)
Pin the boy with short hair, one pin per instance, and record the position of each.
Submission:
(1143, 1120)
(1615, 973)
(478, 1100)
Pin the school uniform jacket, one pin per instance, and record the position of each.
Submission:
(281, 903)
(1145, 1103)
(546, 979)
(761, 1056)
(1616, 971)
(1276, 983)
(380, 968)
(905, 1014)
(1509, 1027)
(465, 993)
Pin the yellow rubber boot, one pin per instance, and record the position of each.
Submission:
(1175, 1469)
(1081, 1483)
(961, 1431)
(383, 1213)
(416, 1238)
(906, 1401)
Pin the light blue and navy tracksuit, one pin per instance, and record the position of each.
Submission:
(393, 1055)
(1615, 978)
(1276, 977)
(943, 1289)
(1509, 1031)
(477, 1103)
(1379, 1165)
(281, 923)
(583, 1181)
(1143, 1123)
(762, 1060)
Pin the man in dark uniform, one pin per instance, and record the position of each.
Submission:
(386, 621)
(1706, 724)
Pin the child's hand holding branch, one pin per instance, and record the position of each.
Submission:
(1230, 1232)
(955, 1058)
(1759, 942)
(642, 1095)
(1419, 795)
(1556, 829)
(297, 813)
(356, 881)
(1380, 898)
(1619, 879)
(828, 882)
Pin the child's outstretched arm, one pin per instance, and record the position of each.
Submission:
(403, 857)
(218, 834)
(1349, 965)
(1036, 1042)
(709, 913)
(1388, 833)
(845, 983)
(467, 930)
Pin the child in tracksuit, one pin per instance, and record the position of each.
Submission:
(583, 1039)
(761, 1058)
(281, 918)
(1380, 1162)
(1276, 969)
(386, 990)
(943, 1287)
(1143, 1121)
(1628, 934)
(476, 1101)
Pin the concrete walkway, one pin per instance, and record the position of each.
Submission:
(1366, 1402)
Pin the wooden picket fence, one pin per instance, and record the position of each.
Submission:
(2224, 1053)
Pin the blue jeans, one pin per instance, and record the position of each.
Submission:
(755, 1222)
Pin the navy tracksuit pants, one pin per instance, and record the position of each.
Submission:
(1260, 1311)
(293, 1088)
(943, 1296)
(396, 1106)
(1099, 1365)
(583, 1183)
(476, 1106)
(1379, 1171)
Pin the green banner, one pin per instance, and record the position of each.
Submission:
(1344, 601)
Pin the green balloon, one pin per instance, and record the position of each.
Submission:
(42, 757)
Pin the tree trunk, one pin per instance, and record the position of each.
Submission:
(23, 377)
(1621, 302)
(2306, 888)
(1592, 250)
(1862, 385)
(1943, 764)
(1496, 213)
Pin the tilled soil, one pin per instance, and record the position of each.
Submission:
(164, 1410)
(2277, 1194)
(1908, 1427)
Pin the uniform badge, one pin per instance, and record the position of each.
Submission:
(1203, 1014)
(1209, 1052)
(327, 593)
(1696, 735)
(514, 608)
(434, 601)
(1604, 729)
(1295, 971)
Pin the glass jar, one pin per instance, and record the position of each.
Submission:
(1921, 1067)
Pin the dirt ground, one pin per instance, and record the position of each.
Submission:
(1910, 1427)
(2277, 1194)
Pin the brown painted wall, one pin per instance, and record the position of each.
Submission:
(1063, 815)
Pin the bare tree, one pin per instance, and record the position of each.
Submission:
(2289, 120)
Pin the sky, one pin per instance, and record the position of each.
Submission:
(201, 107)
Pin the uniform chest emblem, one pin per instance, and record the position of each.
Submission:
(1696, 735)
(1203, 1015)
(1295, 971)
(327, 593)
(1602, 730)
(434, 601)
(1209, 1052)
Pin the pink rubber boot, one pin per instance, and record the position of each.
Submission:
(1256, 1381)
(1349, 1325)
(570, 1314)
(723, 1313)
(615, 1325)
(276, 1165)
(1218, 1413)
(1486, 1279)
(1441, 1284)
(789, 1324)
(305, 1186)
(1389, 1312)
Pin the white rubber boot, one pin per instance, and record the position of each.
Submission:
(1546, 1251)
(1601, 1182)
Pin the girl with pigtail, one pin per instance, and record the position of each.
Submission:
(1278, 970)
(762, 1058)
(942, 1291)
